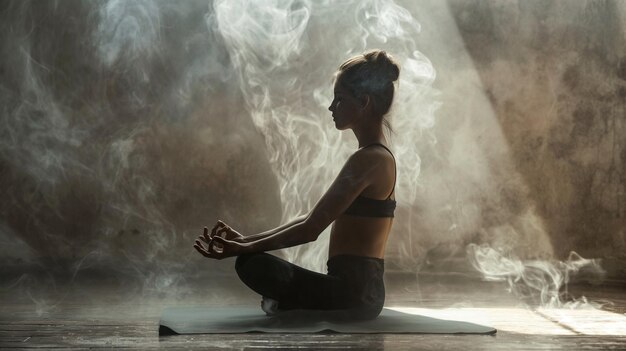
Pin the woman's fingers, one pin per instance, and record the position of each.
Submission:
(208, 252)
(205, 235)
(223, 232)
(225, 247)
(216, 248)
(198, 243)
(207, 246)
(215, 245)
(216, 227)
(201, 250)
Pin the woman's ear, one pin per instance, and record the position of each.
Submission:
(366, 102)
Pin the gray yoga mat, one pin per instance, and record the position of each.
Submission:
(235, 319)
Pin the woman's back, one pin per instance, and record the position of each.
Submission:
(366, 234)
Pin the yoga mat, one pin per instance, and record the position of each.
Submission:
(238, 319)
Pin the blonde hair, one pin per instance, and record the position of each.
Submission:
(371, 73)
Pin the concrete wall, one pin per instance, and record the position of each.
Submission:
(555, 75)
(107, 160)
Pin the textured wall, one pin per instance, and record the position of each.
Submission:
(126, 126)
(555, 75)
(111, 151)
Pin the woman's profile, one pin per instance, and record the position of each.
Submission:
(358, 204)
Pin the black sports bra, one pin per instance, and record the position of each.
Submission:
(368, 207)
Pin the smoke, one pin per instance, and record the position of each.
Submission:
(128, 126)
(285, 60)
(536, 282)
(87, 151)
(128, 30)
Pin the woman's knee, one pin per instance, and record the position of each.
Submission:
(252, 262)
(242, 261)
(263, 267)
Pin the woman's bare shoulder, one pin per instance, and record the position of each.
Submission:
(373, 154)
(375, 162)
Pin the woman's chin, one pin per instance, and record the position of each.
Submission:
(338, 125)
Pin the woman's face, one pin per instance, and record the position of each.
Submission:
(345, 107)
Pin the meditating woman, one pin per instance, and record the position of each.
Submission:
(359, 205)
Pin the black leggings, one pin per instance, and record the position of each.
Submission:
(353, 283)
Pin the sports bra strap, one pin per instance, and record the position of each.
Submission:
(394, 166)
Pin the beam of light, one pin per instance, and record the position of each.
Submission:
(565, 321)
(539, 278)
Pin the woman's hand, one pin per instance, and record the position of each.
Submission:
(221, 243)
(223, 230)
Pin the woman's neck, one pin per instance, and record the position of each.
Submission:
(370, 136)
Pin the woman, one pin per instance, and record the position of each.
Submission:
(358, 204)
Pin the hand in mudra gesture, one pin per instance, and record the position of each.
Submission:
(222, 242)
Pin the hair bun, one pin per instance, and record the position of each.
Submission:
(384, 64)
(373, 73)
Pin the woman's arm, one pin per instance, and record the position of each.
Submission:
(297, 234)
(265, 234)
(353, 178)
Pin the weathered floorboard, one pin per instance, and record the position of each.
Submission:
(132, 323)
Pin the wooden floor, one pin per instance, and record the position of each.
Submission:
(98, 313)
